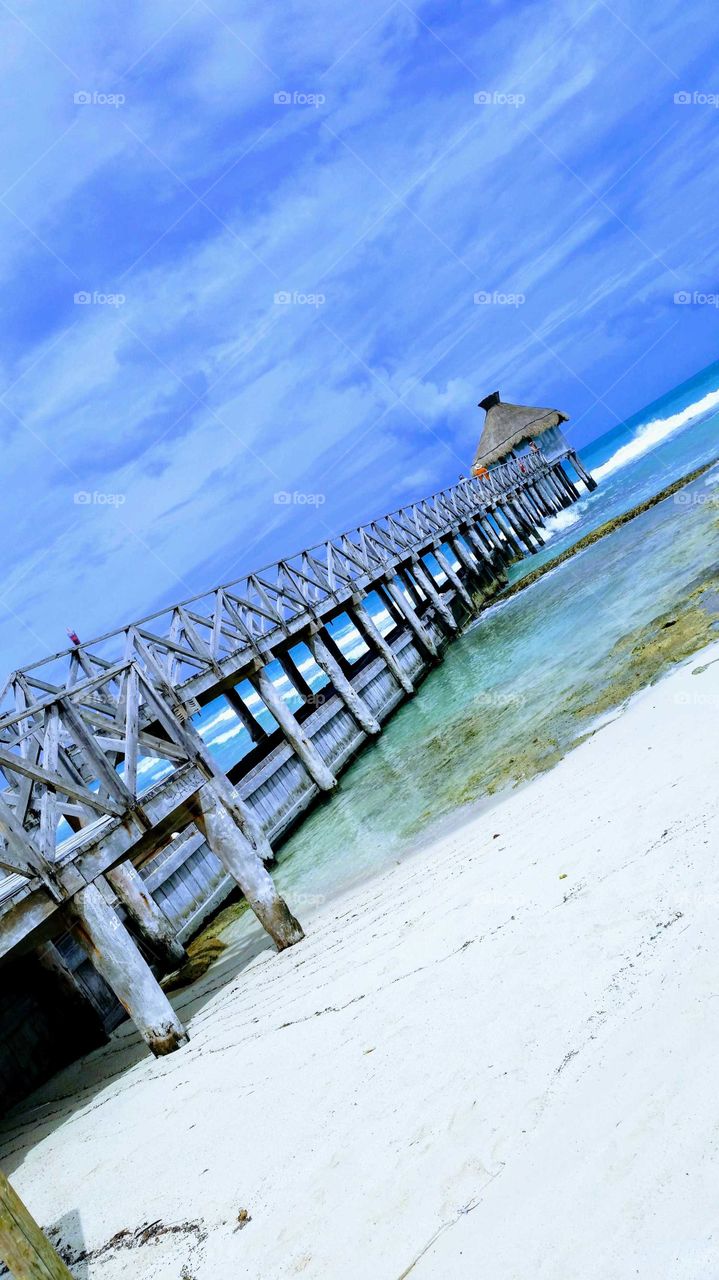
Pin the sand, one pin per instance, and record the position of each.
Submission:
(496, 1059)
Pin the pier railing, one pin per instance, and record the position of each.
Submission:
(79, 729)
(198, 640)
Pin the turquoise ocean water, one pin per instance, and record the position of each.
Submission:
(513, 688)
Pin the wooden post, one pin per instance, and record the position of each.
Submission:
(501, 548)
(24, 1247)
(533, 521)
(566, 483)
(539, 499)
(343, 687)
(581, 471)
(531, 503)
(421, 635)
(550, 499)
(485, 557)
(474, 571)
(294, 733)
(428, 583)
(482, 550)
(232, 848)
(114, 954)
(367, 626)
(149, 918)
(507, 530)
(243, 713)
(555, 489)
(524, 526)
(453, 576)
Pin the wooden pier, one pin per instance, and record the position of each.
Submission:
(111, 898)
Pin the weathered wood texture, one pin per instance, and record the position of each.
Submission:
(24, 1247)
(74, 730)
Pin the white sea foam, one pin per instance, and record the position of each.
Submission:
(560, 523)
(652, 433)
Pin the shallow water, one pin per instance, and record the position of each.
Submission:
(517, 690)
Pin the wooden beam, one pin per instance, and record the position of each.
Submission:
(24, 1247)
(426, 644)
(241, 861)
(147, 916)
(367, 626)
(300, 742)
(343, 687)
(104, 937)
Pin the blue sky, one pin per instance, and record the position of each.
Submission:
(381, 187)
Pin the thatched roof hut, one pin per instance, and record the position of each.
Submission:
(507, 426)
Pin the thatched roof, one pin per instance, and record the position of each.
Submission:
(506, 426)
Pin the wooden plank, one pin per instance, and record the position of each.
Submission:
(23, 1245)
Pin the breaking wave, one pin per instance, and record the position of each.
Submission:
(652, 433)
(559, 523)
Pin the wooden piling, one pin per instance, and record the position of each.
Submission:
(368, 628)
(300, 742)
(428, 583)
(571, 490)
(232, 848)
(344, 689)
(24, 1247)
(505, 525)
(101, 933)
(148, 917)
(243, 713)
(424, 640)
(453, 577)
(582, 472)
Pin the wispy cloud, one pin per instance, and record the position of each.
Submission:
(150, 163)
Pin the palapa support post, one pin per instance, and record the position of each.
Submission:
(424, 640)
(102, 934)
(428, 584)
(232, 848)
(454, 578)
(549, 498)
(147, 916)
(532, 520)
(368, 628)
(566, 483)
(24, 1247)
(300, 742)
(539, 499)
(344, 689)
(556, 489)
(581, 471)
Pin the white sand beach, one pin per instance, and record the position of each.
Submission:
(497, 1059)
